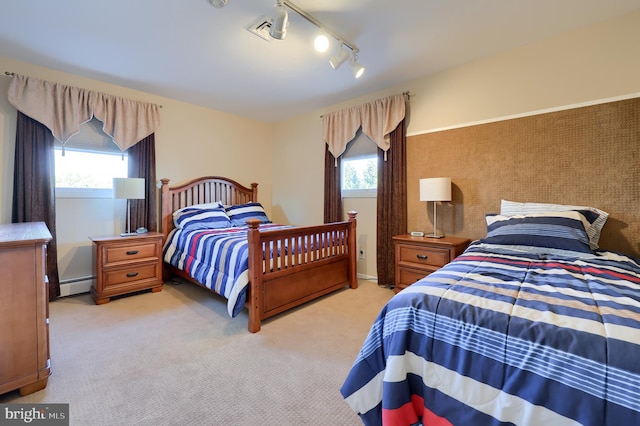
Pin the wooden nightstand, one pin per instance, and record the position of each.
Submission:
(417, 257)
(126, 264)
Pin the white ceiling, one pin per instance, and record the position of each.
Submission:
(188, 50)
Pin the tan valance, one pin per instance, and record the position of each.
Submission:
(377, 119)
(64, 108)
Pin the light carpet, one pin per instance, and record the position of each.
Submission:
(177, 358)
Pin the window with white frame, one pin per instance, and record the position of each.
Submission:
(85, 168)
(359, 173)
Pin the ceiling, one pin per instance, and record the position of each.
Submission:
(190, 51)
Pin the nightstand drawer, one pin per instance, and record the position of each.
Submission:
(128, 253)
(130, 274)
(422, 256)
(406, 276)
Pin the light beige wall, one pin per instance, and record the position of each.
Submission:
(191, 141)
(584, 66)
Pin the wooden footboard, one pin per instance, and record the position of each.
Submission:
(287, 267)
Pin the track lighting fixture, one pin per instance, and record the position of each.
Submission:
(338, 59)
(278, 30)
(280, 22)
(357, 69)
(218, 3)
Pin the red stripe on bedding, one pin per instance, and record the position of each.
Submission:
(410, 413)
(196, 239)
(567, 266)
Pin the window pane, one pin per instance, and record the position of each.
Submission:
(360, 173)
(85, 169)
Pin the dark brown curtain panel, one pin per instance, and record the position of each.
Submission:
(34, 186)
(142, 164)
(332, 188)
(392, 203)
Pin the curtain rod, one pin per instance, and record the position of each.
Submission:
(12, 74)
(407, 94)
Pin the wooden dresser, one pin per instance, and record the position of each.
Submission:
(127, 264)
(24, 307)
(417, 257)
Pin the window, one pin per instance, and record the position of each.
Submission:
(90, 162)
(359, 174)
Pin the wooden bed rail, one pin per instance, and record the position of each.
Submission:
(303, 262)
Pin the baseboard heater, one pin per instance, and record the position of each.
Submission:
(79, 285)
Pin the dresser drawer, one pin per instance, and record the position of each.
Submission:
(418, 256)
(114, 254)
(130, 275)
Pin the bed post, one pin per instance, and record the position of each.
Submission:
(165, 220)
(255, 275)
(165, 207)
(254, 192)
(353, 268)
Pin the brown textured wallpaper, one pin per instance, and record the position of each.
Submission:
(585, 156)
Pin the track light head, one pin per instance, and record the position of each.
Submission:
(357, 69)
(218, 3)
(339, 58)
(280, 22)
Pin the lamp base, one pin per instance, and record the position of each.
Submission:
(433, 236)
(128, 234)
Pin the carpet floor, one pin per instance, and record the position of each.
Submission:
(177, 358)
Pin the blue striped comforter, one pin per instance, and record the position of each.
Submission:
(504, 337)
(216, 258)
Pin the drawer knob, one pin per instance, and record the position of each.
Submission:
(422, 256)
(132, 274)
(132, 252)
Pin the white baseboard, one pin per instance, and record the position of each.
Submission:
(366, 277)
(74, 286)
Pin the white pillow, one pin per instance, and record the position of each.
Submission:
(512, 208)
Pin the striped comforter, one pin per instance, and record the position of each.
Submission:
(502, 337)
(216, 258)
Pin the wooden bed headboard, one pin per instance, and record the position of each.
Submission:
(207, 189)
(585, 156)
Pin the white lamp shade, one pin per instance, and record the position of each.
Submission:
(435, 189)
(129, 188)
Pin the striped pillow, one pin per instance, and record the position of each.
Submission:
(552, 230)
(242, 212)
(198, 218)
(597, 218)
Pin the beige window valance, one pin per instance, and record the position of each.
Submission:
(377, 119)
(64, 108)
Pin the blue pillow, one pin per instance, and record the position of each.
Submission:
(597, 217)
(242, 212)
(553, 230)
(198, 218)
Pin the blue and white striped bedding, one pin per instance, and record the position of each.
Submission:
(505, 337)
(216, 258)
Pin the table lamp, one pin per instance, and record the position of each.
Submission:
(129, 189)
(435, 189)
